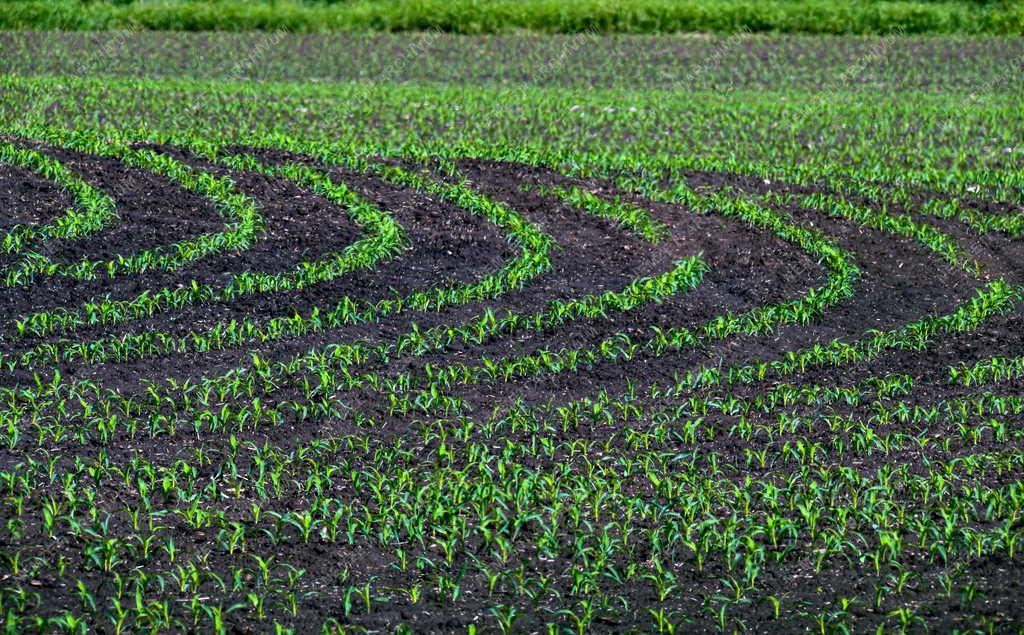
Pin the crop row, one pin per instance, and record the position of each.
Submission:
(546, 441)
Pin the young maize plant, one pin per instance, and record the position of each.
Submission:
(245, 224)
(538, 387)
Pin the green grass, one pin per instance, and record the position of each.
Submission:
(549, 16)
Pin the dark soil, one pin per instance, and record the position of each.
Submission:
(900, 281)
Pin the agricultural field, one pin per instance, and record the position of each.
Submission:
(433, 333)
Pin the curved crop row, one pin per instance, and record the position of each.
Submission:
(611, 397)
